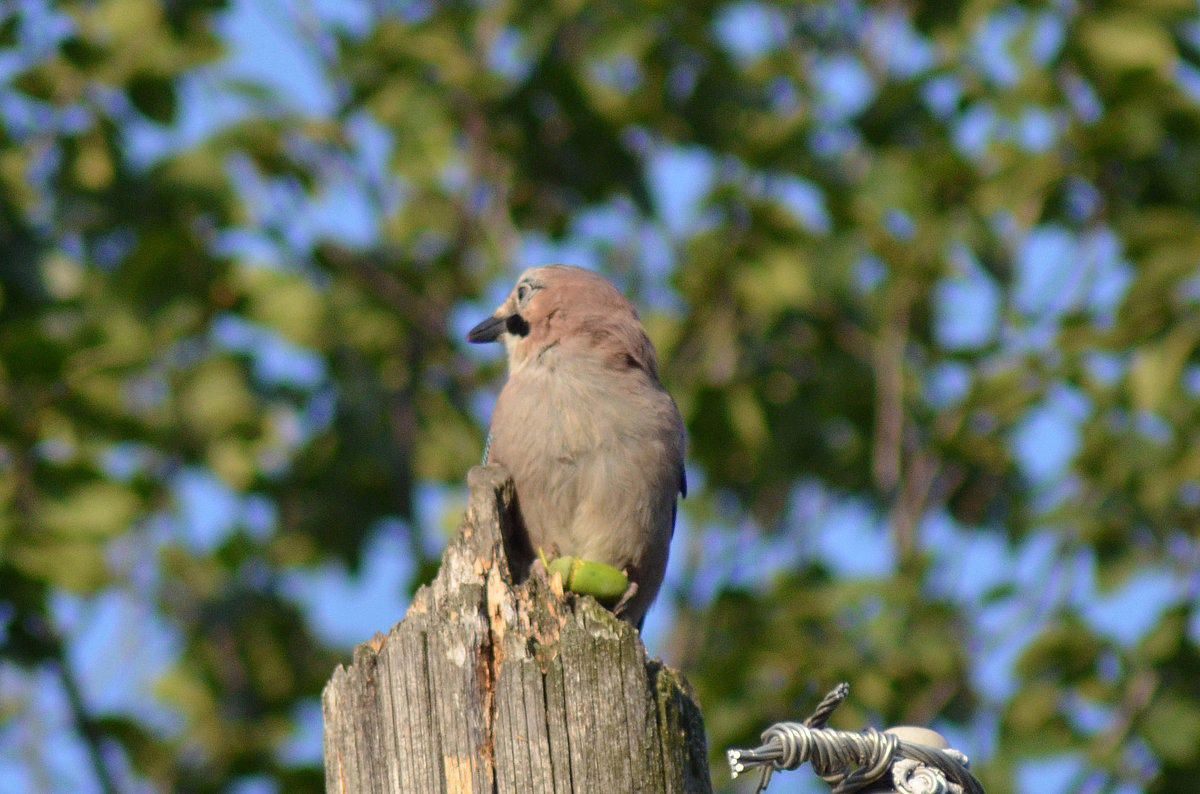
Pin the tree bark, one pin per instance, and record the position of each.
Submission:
(487, 686)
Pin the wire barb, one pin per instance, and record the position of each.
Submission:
(850, 762)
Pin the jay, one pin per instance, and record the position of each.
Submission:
(593, 441)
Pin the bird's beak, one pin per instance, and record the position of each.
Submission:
(487, 331)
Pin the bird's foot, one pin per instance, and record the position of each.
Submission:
(626, 597)
(541, 569)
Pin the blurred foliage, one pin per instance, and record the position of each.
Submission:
(931, 241)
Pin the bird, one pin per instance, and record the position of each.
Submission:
(593, 441)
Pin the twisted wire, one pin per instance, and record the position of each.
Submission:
(848, 761)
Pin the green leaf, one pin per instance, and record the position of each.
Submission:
(1172, 728)
(91, 511)
(1129, 41)
(154, 96)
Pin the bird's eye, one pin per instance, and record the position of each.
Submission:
(522, 293)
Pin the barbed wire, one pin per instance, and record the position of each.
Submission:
(850, 762)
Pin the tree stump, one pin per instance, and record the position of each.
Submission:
(490, 686)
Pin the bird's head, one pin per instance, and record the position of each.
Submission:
(573, 309)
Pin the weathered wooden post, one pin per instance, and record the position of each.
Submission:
(487, 686)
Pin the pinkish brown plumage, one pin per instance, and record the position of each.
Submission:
(593, 441)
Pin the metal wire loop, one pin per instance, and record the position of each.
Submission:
(849, 761)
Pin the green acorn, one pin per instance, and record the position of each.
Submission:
(603, 582)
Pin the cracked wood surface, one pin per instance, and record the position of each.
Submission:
(487, 686)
